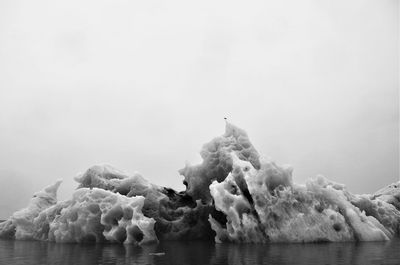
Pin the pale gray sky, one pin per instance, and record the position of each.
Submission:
(142, 85)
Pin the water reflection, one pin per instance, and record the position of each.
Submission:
(33, 252)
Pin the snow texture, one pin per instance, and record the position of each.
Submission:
(232, 196)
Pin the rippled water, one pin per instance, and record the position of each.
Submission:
(34, 252)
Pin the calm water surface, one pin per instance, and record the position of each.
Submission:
(34, 252)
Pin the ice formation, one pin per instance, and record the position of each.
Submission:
(21, 224)
(217, 161)
(318, 211)
(232, 196)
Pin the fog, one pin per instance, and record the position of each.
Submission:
(142, 85)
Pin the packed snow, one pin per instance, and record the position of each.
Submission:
(232, 196)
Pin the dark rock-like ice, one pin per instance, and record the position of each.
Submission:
(232, 196)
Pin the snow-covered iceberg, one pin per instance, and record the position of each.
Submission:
(232, 196)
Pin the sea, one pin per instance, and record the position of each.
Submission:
(13, 252)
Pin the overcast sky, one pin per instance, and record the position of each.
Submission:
(142, 85)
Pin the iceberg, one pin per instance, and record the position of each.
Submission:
(21, 224)
(232, 196)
